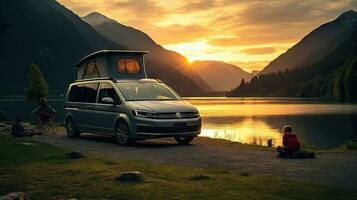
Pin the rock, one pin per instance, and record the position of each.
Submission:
(75, 155)
(245, 173)
(133, 176)
(15, 196)
(201, 177)
(28, 144)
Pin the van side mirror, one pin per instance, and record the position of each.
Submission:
(107, 100)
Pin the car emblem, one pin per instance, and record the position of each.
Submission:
(178, 115)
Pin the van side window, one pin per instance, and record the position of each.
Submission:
(107, 90)
(92, 70)
(128, 66)
(86, 93)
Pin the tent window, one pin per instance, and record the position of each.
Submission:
(92, 70)
(128, 66)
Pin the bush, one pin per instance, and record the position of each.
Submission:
(351, 144)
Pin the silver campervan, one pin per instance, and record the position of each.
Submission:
(112, 96)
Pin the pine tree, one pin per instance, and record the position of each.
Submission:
(37, 86)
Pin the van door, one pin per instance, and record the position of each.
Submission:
(84, 97)
(107, 111)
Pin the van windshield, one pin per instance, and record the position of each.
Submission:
(146, 91)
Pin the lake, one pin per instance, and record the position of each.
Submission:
(252, 120)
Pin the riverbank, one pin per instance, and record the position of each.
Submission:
(44, 172)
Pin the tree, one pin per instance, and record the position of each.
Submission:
(37, 86)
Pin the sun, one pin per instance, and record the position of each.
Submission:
(191, 50)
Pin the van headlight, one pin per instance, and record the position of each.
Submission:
(144, 113)
(196, 113)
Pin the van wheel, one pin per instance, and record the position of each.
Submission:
(122, 133)
(183, 140)
(72, 132)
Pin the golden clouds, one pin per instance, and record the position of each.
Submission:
(261, 50)
(248, 32)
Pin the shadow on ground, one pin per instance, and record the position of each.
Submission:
(150, 143)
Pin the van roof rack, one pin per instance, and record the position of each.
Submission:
(95, 79)
(108, 52)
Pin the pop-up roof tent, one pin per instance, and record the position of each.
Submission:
(115, 64)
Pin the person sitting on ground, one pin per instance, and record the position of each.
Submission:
(18, 130)
(45, 113)
(291, 146)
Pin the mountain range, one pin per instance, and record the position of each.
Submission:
(315, 45)
(45, 33)
(208, 75)
(55, 38)
(219, 75)
(332, 75)
(169, 66)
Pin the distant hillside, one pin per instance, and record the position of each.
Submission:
(220, 76)
(333, 77)
(316, 45)
(169, 66)
(48, 34)
(254, 73)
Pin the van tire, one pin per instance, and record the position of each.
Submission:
(184, 140)
(71, 129)
(122, 133)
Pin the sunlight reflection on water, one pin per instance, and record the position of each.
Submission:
(248, 131)
(256, 120)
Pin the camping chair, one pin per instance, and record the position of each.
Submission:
(46, 123)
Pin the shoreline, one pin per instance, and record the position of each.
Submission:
(211, 140)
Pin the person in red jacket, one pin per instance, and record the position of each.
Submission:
(291, 146)
(291, 142)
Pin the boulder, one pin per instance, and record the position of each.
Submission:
(133, 176)
(201, 177)
(75, 155)
(15, 196)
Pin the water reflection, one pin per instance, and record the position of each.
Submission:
(245, 131)
(271, 108)
(256, 120)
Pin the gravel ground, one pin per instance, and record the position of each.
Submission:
(336, 169)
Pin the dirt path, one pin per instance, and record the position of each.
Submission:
(337, 169)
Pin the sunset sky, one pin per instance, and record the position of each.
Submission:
(248, 33)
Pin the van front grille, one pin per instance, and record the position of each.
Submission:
(173, 115)
(148, 129)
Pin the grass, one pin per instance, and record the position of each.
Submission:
(44, 172)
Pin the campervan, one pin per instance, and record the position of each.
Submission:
(113, 96)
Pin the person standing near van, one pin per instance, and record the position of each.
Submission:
(44, 112)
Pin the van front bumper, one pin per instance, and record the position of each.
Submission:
(146, 128)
